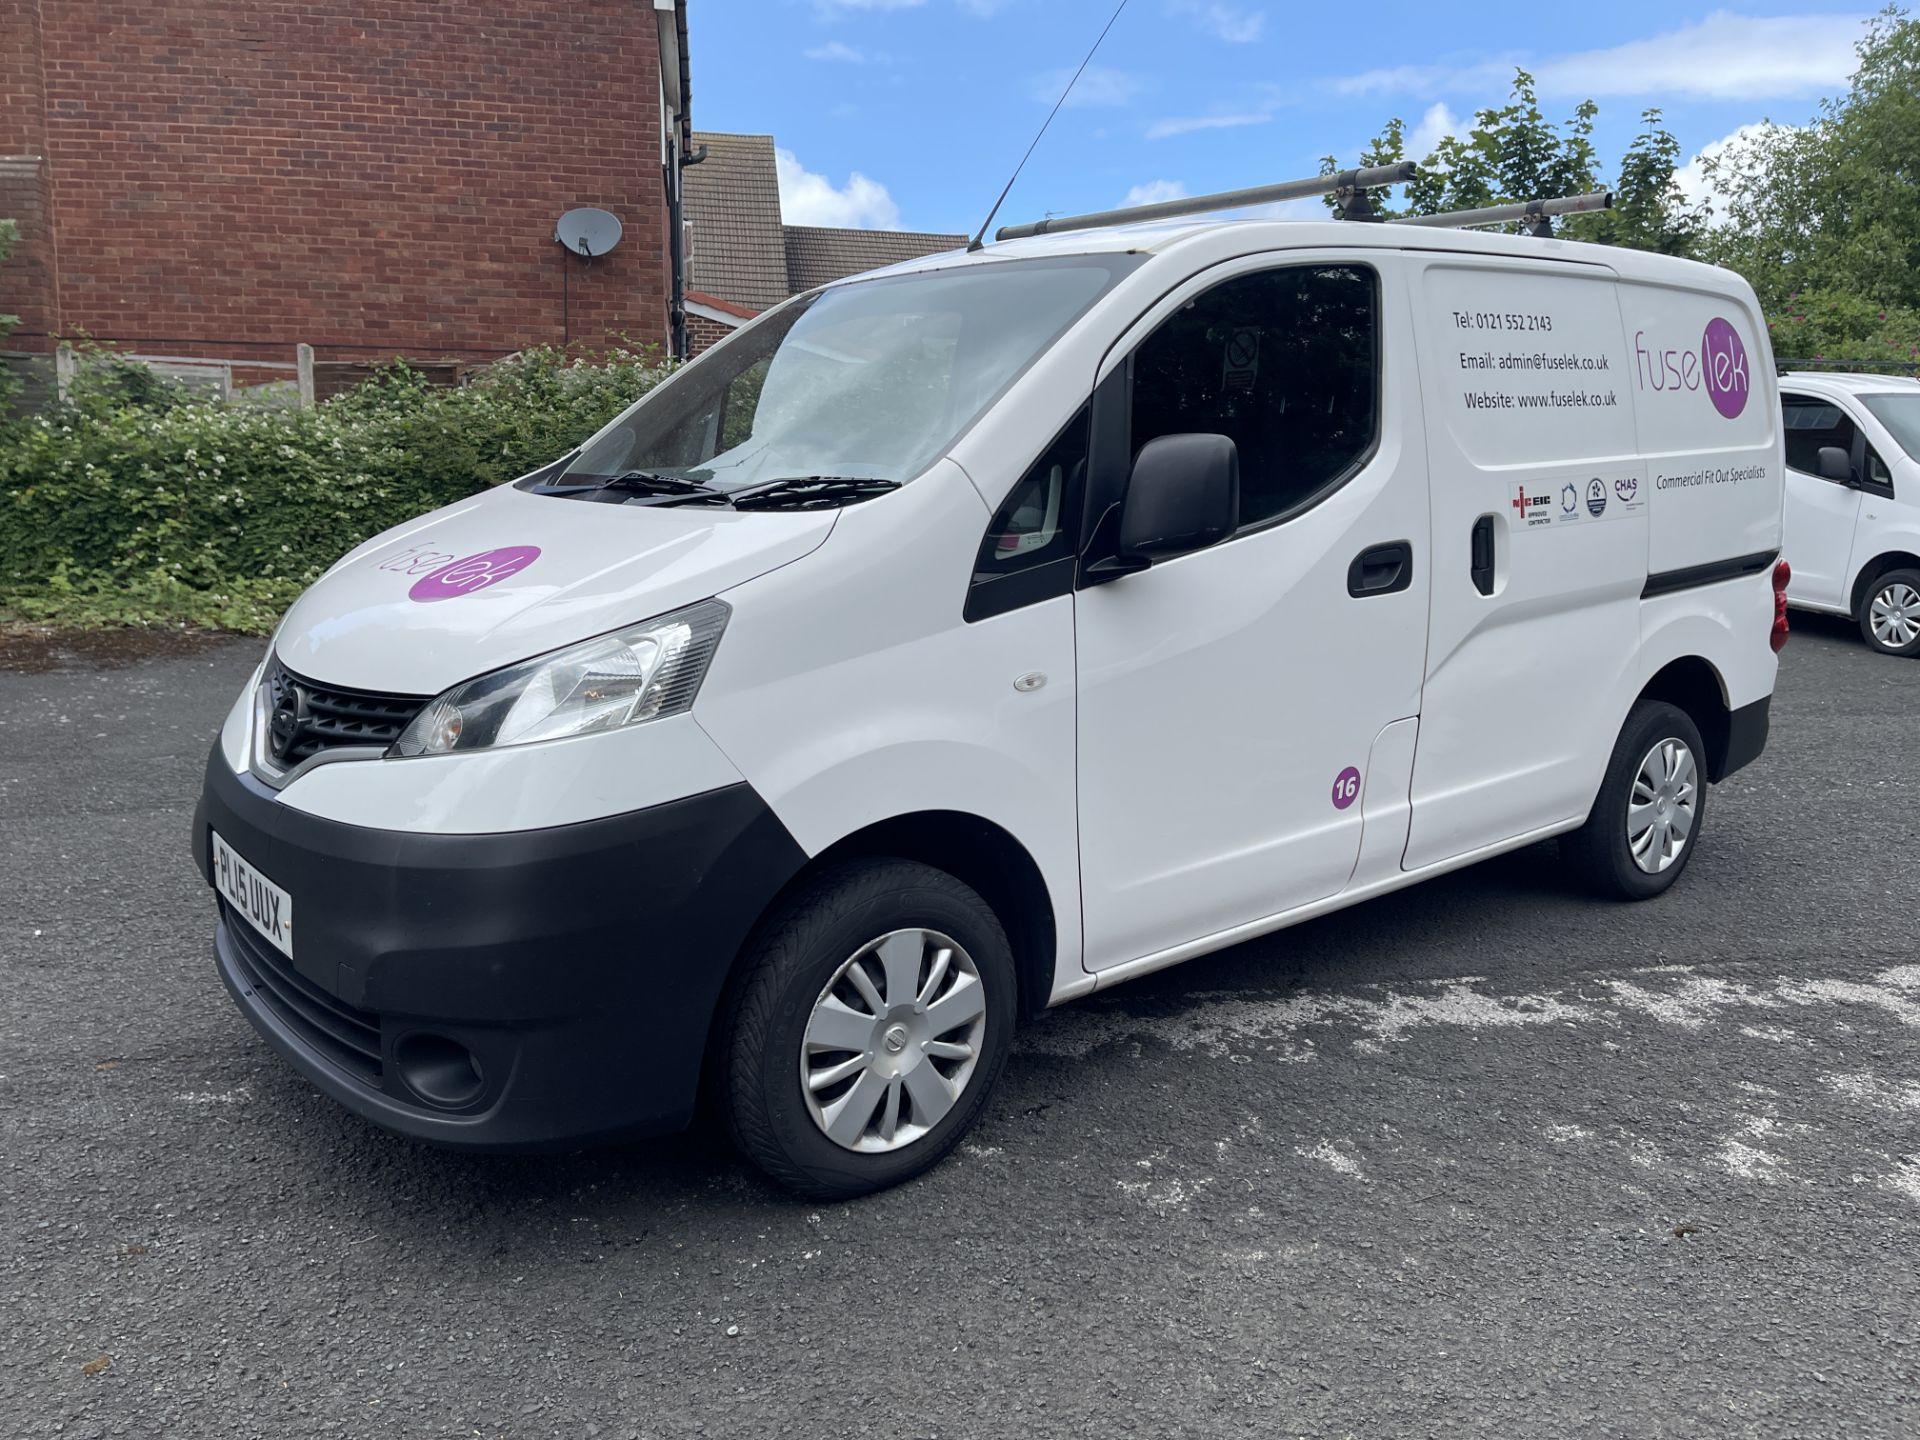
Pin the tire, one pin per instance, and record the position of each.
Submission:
(1608, 855)
(880, 1092)
(1890, 613)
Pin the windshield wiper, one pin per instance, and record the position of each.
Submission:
(810, 492)
(669, 489)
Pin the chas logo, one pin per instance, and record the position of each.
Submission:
(1719, 368)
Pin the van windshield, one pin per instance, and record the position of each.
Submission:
(868, 381)
(1900, 413)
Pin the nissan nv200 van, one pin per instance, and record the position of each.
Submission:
(960, 639)
(1853, 502)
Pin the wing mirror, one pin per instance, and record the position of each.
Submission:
(1836, 464)
(1184, 495)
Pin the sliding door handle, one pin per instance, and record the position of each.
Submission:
(1381, 570)
(1480, 562)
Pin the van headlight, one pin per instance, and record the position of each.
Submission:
(644, 672)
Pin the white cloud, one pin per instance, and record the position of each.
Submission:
(984, 9)
(1723, 57)
(837, 51)
(1097, 86)
(810, 199)
(1233, 23)
(1438, 123)
(1304, 207)
(1154, 191)
(1187, 124)
(1692, 176)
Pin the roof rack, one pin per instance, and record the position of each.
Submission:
(1907, 371)
(1535, 216)
(1349, 188)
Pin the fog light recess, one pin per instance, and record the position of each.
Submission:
(440, 1071)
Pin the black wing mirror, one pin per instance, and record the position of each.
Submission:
(1184, 496)
(1836, 464)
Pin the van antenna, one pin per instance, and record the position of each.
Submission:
(980, 238)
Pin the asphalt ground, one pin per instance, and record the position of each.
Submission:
(1483, 1157)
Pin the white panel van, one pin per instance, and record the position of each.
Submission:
(1853, 501)
(960, 639)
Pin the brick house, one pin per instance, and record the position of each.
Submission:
(741, 256)
(230, 178)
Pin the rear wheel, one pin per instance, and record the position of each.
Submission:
(1890, 614)
(1646, 820)
(875, 1015)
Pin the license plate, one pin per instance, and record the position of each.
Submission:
(256, 899)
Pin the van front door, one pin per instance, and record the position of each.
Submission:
(1229, 700)
(1822, 515)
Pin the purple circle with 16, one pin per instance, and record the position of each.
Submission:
(473, 572)
(1346, 788)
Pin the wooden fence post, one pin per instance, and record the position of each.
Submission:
(64, 365)
(303, 358)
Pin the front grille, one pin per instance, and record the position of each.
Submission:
(343, 1033)
(304, 717)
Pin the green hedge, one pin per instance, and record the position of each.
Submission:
(132, 503)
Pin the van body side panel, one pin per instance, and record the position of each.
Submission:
(852, 691)
(1708, 412)
(1225, 694)
(1525, 373)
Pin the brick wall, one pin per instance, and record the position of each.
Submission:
(702, 332)
(370, 176)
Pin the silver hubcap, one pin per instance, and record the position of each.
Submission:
(1661, 809)
(1895, 616)
(892, 1040)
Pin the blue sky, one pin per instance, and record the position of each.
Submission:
(910, 114)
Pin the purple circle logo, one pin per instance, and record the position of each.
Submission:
(1723, 360)
(1346, 788)
(472, 573)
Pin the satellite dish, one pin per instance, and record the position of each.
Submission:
(588, 232)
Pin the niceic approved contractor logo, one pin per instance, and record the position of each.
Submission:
(1719, 367)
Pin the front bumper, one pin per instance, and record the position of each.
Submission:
(578, 967)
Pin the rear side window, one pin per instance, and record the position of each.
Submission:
(1286, 364)
(1811, 425)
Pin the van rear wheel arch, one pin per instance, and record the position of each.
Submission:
(1693, 685)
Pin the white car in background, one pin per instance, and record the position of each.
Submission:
(1853, 502)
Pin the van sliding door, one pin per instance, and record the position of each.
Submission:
(1540, 547)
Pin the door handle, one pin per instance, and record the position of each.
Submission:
(1481, 560)
(1381, 570)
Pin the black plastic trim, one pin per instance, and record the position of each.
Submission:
(1397, 553)
(1747, 729)
(581, 965)
(1666, 582)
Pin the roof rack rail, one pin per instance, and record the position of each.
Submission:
(1907, 371)
(1535, 216)
(1349, 187)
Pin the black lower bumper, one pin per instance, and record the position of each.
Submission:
(527, 990)
(1746, 736)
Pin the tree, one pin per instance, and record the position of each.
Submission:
(1515, 153)
(1833, 205)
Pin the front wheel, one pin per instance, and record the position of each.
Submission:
(1646, 820)
(1890, 615)
(875, 1013)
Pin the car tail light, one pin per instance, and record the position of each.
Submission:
(1782, 573)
